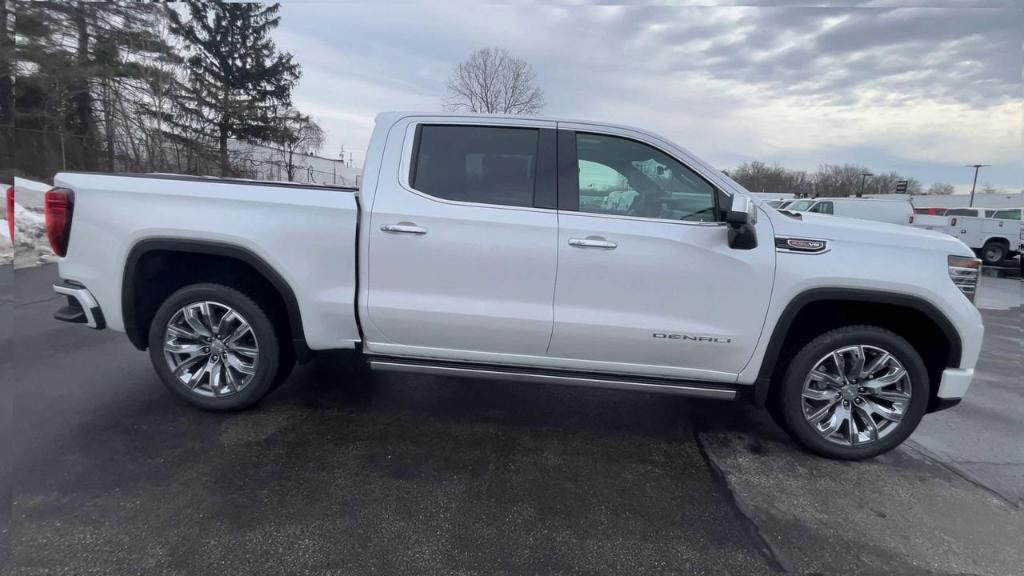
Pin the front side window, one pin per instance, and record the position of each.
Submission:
(482, 164)
(628, 178)
(1008, 214)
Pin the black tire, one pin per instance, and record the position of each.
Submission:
(790, 404)
(994, 253)
(269, 352)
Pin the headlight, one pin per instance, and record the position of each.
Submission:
(964, 273)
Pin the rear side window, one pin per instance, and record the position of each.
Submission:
(483, 164)
(961, 212)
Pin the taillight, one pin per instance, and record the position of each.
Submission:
(60, 207)
(10, 213)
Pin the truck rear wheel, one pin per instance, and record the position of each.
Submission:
(993, 253)
(854, 392)
(214, 347)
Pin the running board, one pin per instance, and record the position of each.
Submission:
(663, 386)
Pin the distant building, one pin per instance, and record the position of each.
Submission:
(270, 163)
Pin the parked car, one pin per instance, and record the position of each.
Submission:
(892, 211)
(537, 250)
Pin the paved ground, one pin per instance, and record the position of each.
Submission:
(340, 472)
(983, 438)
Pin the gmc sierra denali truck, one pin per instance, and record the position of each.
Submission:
(533, 249)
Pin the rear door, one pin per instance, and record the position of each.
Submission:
(462, 242)
(647, 282)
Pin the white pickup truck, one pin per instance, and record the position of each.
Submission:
(994, 235)
(532, 249)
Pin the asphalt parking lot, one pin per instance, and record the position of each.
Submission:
(344, 472)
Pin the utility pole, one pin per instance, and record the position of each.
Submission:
(975, 184)
(863, 177)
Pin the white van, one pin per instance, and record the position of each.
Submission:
(893, 211)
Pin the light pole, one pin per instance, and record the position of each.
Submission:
(976, 168)
(863, 177)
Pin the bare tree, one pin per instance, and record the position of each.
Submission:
(495, 82)
(941, 189)
(298, 134)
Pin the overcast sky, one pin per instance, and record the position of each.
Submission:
(918, 86)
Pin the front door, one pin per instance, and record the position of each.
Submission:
(461, 250)
(647, 282)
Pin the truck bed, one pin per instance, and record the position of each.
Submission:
(306, 233)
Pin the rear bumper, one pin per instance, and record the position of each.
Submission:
(81, 307)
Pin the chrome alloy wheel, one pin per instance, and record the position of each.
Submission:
(211, 349)
(856, 395)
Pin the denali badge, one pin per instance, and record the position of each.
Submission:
(709, 339)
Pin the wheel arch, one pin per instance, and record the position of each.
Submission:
(939, 348)
(136, 319)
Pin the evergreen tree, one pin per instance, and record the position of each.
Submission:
(6, 86)
(238, 83)
(82, 70)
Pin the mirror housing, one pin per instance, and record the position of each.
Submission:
(741, 218)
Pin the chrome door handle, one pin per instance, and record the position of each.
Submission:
(403, 228)
(592, 242)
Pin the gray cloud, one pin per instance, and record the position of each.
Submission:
(682, 68)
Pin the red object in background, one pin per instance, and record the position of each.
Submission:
(10, 212)
(60, 207)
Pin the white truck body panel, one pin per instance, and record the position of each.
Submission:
(931, 222)
(893, 211)
(976, 232)
(306, 234)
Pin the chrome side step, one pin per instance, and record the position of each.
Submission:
(437, 368)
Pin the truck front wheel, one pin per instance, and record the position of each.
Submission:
(214, 347)
(854, 392)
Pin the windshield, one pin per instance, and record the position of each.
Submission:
(801, 205)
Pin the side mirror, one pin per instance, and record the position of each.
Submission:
(740, 218)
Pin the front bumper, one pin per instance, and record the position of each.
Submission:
(81, 308)
(955, 382)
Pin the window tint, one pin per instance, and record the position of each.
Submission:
(822, 208)
(476, 164)
(1008, 214)
(622, 176)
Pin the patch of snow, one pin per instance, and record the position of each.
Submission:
(31, 245)
(30, 193)
(6, 249)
